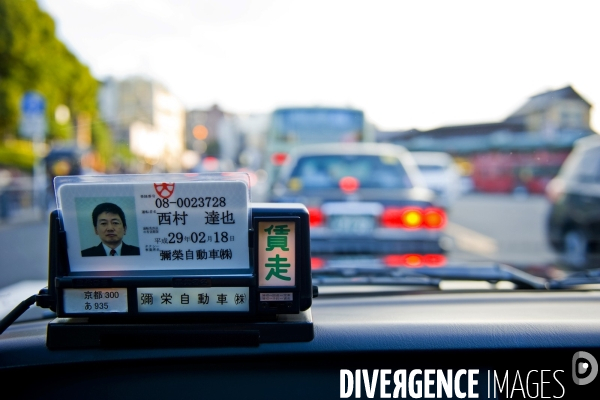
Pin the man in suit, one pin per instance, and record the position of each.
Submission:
(110, 224)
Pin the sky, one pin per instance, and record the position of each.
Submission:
(407, 64)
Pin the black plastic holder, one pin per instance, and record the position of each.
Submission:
(71, 333)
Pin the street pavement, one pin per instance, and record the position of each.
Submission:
(502, 228)
(482, 227)
(24, 249)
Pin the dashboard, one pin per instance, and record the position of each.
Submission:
(509, 331)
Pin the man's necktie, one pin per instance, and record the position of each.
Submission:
(113, 252)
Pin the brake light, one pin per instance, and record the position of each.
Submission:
(315, 217)
(392, 218)
(434, 260)
(434, 218)
(408, 218)
(394, 260)
(316, 263)
(210, 163)
(403, 260)
(414, 260)
(349, 184)
(412, 218)
(277, 159)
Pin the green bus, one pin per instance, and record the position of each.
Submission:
(294, 126)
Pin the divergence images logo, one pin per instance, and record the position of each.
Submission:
(581, 367)
(164, 190)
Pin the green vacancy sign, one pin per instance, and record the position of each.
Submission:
(276, 253)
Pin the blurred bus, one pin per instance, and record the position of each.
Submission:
(311, 125)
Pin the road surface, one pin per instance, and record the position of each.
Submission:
(501, 228)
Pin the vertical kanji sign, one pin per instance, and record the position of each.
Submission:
(276, 253)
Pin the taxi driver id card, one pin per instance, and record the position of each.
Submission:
(193, 225)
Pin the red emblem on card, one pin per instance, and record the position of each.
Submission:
(164, 190)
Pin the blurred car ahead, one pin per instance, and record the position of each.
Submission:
(364, 199)
(441, 174)
(574, 219)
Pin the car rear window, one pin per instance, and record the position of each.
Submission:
(431, 167)
(325, 171)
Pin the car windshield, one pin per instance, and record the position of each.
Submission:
(506, 91)
(317, 125)
(381, 172)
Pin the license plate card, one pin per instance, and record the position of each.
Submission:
(190, 225)
(352, 224)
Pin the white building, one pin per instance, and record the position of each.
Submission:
(144, 114)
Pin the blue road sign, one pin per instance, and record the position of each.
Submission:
(33, 116)
(33, 103)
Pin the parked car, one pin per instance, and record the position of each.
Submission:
(441, 174)
(364, 199)
(574, 220)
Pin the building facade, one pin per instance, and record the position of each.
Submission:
(146, 116)
(525, 150)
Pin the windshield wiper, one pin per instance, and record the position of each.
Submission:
(413, 280)
(588, 277)
(427, 276)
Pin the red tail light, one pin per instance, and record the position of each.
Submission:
(316, 263)
(403, 260)
(408, 218)
(434, 218)
(349, 184)
(315, 217)
(413, 218)
(392, 218)
(434, 260)
(278, 159)
(211, 163)
(414, 260)
(394, 260)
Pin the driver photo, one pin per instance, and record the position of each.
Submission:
(110, 225)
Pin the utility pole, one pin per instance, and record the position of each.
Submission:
(33, 126)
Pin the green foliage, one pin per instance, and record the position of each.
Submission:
(62, 132)
(124, 155)
(102, 141)
(17, 153)
(32, 58)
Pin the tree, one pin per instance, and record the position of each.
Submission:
(32, 58)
